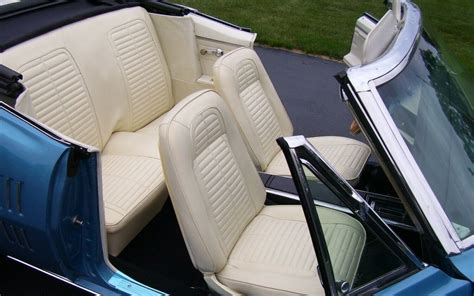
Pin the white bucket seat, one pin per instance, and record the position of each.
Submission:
(238, 243)
(241, 79)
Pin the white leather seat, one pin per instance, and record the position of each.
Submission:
(240, 245)
(241, 79)
(104, 82)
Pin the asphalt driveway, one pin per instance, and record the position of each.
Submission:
(309, 91)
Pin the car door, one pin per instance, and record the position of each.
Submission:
(43, 215)
(50, 206)
(387, 266)
(194, 41)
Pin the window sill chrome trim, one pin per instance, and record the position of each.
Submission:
(316, 202)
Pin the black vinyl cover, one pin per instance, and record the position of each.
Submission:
(19, 27)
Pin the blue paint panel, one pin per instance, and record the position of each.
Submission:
(465, 263)
(430, 281)
(31, 166)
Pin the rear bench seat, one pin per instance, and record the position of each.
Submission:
(104, 81)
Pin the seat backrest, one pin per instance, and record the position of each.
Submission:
(213, 184)
(380, 37)
(241, 79)
(89, 79)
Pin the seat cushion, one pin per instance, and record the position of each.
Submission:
(153, 127)
(134, 189)
(275, 256)
(347, 156)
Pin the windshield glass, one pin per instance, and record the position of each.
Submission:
(435, 117)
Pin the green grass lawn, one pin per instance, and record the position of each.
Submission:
(325, 27)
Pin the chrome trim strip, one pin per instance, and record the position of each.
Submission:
(51, 274)
(399, 225)
(316, 202)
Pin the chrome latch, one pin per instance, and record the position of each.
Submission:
(215, 51)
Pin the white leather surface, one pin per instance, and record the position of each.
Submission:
(380, 38)
(208, 29)
(275, 254)
(346, 155)
(242, 80)
(178, 41)
(183, 37)
(218, 199)
(213, 184)
(59, 96)
(144, 71)
(152, 128)
(98, 81)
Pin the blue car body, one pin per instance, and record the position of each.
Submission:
(51, 211)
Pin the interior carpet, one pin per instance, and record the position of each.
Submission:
(158, 257)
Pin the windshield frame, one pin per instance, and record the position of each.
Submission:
(360, 91)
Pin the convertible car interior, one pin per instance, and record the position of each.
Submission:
(181, 106)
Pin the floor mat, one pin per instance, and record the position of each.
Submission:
(158, 257)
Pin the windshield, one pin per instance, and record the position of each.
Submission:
(435, 118)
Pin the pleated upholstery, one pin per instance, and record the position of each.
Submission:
(275, 254)
(60, 97)
(258, 107)
(127, 182)
(345, 155)
(104, 81)
(219, 202)
(143, 72)
(242, 80)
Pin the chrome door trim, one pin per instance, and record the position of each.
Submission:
(316, 202)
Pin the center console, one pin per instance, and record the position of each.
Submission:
(281, 190)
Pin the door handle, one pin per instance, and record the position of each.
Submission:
(215, 51)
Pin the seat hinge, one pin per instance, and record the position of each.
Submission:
(10, 85)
